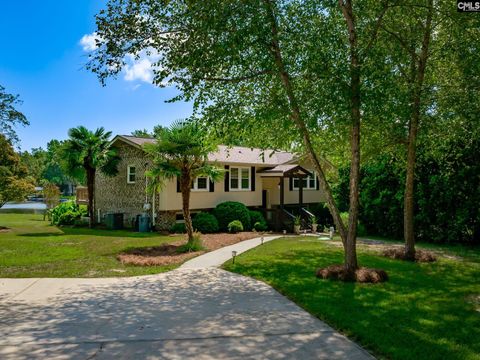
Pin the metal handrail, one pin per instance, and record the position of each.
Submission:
(289, 214)
(307, 212)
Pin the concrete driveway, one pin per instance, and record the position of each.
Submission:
(186, 313)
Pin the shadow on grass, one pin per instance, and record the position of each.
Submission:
(420, 313)
(42, 234)
(108, 233)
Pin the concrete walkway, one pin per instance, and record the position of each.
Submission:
(197, 311)
(218, 257)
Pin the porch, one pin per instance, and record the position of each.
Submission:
(283, 196)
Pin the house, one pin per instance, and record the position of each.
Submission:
(264, 179)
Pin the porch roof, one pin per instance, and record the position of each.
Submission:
(286, 170)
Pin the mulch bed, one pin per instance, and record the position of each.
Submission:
(399, 254)
(168, 254)
(362, 275)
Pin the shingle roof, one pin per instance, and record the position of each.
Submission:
(244, 155)
(230, 154)
(138, 140)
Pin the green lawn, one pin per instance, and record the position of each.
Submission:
(425, 311)
(33, 248)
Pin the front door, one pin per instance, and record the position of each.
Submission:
(264, 199)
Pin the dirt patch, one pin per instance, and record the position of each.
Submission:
(155, 256)
(4, 229)
(217, 241)
(362, 275)
(168, 254)
(399, 253)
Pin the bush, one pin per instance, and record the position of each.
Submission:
(235, 226)
(256, 217)
(205, 223)
(344, 217)
(361, 230)
(447, 191)
(195, 245)
(260, 226)
(68, 218)
(83, 210)
(65, 213)
(229, 211)
(321, 212)
(178, 228)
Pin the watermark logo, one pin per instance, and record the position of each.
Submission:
(468, 6)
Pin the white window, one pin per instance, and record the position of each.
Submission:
(239, 178)
(309, 182)
(201, 184)
(131, 174)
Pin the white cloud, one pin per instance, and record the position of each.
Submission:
(136, 68)
(88, 41)
(141, 68)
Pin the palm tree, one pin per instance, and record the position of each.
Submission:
(181, 153)
(87, 151)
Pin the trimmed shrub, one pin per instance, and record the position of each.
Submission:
(65, 213)
(235, 226)
(205, 223)
(178, 228)
(260, 226)
(228, 211)
(256, 217)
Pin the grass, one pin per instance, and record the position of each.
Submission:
(425, 311)
(33, 248)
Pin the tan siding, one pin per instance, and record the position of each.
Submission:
(171, 200)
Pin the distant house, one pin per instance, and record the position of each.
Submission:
(264, 179)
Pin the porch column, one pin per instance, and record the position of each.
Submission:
(300, 191)
(282, 192)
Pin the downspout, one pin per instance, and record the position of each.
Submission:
(154, 213)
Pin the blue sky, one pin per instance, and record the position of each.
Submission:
(42, 60)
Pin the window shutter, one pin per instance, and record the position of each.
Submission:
(290, 183)
(178, 185)
(227, 178)
(252, 180)
(318, 183)
(212, 186)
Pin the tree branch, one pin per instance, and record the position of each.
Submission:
(401, 41)
(236, 79)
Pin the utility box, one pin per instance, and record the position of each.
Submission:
(144, 223)
(114, 221)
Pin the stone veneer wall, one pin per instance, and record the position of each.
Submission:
(114, 194)
(165, 220)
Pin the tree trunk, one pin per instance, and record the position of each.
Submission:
(91, 195)
(300, 123)
(185, 188)
(409, 200)
(355, 102)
